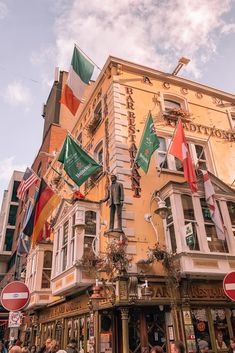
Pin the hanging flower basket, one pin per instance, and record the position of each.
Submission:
(176, 113)
(167, 259)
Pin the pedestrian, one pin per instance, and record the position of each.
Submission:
(2, 347)
(157, 349)
(72, 345)
(232, 346)
(177, 347)
(46, 347)
(15, 349)
(25, 349)
(54, 346)
(33, 349)
(203, 346)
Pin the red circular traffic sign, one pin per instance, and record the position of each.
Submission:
(229, 285)
(15, 296)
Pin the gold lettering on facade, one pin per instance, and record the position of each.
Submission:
(202, 129)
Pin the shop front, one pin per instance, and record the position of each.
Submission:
(208, 315)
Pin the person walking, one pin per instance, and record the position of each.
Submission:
(46, 347)
(203, 346)
(2, 347)
(177, 347)
(232, 346)
(72, 345)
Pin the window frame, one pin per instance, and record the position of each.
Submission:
(46, 268)
(174, 98)
(231, 116)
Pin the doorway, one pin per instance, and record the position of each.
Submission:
(146, 329)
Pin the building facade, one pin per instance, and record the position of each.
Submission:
(133, 304)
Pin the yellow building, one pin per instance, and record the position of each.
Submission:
(150, 303)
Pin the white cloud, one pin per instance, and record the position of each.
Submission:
(18, 94)
(7, 166)
(228, 28)
(3, 10)
(149, 32)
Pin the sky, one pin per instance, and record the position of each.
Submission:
(38, 35)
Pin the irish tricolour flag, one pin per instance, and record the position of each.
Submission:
(79, 76)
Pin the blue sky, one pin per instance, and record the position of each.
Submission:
(37, 36)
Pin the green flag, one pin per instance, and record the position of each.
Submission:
(149, 143)
(77, 163)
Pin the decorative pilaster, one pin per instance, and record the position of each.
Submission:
(125, 330)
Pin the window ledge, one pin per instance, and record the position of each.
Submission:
(165, 171)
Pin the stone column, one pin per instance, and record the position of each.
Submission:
(125, 330)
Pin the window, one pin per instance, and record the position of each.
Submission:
(201, 325)
(73, 239)
(231, 211)
(46, 271)
(99, 156)
(98, 112)
(39, 170)
(65, 245)
(170, 104)
(197, 152)
(8, 239)
(14, 197)
(231, 116)
(189, 217)
(167, 161)
(220, 328)
(57, 267)
(170, 226)
(79, 138)
(161, 155)
(198, 155)
(12, 215)
(215, 244)
(90, 231)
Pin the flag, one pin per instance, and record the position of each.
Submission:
(77, 163)
(45, 232)
(23, 244)
(179, 149)
(149, 143)
(46, 202)
(80, 73)
(212, 205)
(29, 178)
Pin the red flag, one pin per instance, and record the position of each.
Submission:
(179, 149)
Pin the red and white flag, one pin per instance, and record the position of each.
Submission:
(212, 205)
(179, 149)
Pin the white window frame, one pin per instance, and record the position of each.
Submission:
(231, 116)
(179, 222)
(46, 268)
(171, 159)
(64, 245)
(99, 146)
(173, 97)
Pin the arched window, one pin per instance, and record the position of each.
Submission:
(170, 104)
(99, 152)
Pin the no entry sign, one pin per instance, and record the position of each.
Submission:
(229, 285)
(15, 296)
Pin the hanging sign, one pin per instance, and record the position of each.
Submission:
(14, 319)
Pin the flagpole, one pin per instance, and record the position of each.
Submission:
(167, 152)
(87, 57)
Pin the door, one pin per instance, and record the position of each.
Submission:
(146, 329)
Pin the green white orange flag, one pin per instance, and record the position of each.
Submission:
(149, 143)
(80, 73)
(77, 163)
